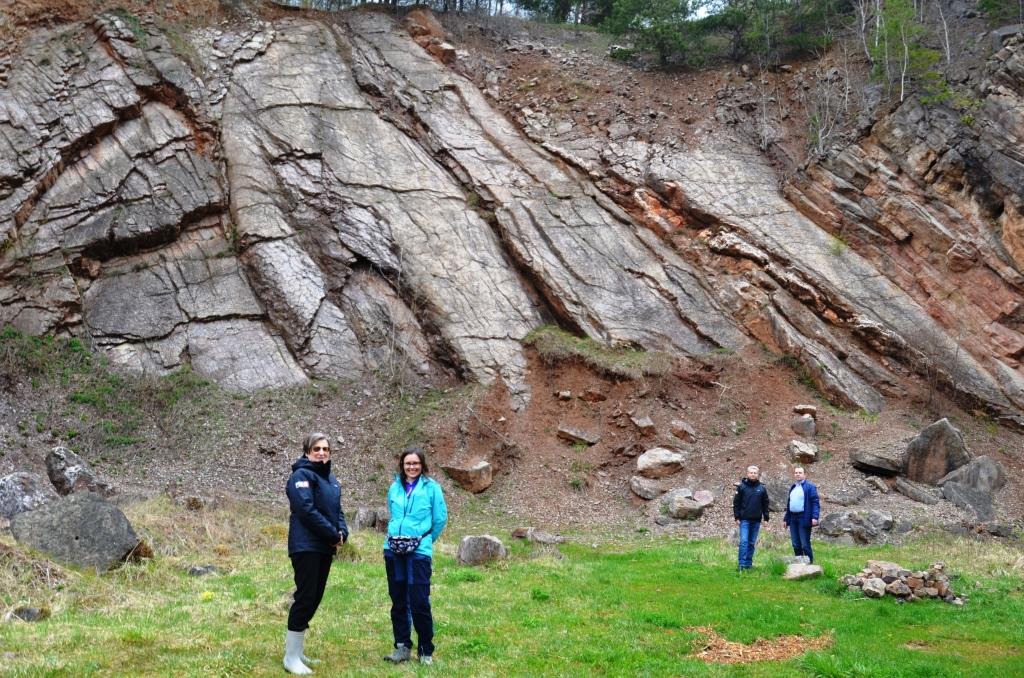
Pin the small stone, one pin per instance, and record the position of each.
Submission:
(644, 424)
(574, 435)
(806, 409)
(878, 484)
(804, 426)
(564, 395)
(802, 452)
(30, 614)
(202, 570)
(683, 430)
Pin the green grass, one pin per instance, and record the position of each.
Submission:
(556, 345)
(625, 608)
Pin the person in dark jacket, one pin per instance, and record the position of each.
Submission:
(418, 510)
(749, 508)
(802, 510)
(316, 528)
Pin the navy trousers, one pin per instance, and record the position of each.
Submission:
(409, 588)
(800, 535)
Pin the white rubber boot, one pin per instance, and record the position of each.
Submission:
(293, 646)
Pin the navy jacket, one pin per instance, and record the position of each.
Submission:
(812, 506)
(317, 522)
(751, 501)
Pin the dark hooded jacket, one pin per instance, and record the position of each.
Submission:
(317, 522)
(751, 501)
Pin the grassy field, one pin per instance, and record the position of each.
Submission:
(620, 608)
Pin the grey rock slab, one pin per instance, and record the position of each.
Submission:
(21, 492)
(887, 460)
(242, 355)
(917, 491)
(982, 473)
(83, 530)
(70, 473)
(873, 587)
(970, 499)
(937, 450)
(480, 549)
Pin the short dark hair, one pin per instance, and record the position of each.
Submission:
(311, 440)
(409, 451)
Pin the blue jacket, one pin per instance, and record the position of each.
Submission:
(317, 522)
(812, 506)
(422, 512)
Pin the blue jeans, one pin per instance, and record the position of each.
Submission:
(800, 535)
(409, 588)
(748, 538)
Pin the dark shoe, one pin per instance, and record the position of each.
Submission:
(402, 653)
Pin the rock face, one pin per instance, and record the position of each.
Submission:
(69, 473)
(936, 451)
(328, 200)
(21, 492)
(83, 530)
(480, 549)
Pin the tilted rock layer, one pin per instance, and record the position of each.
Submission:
(319, 200)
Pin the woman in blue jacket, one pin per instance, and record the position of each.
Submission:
(417, 510)
(316, 528)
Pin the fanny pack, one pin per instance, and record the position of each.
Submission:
(403, 546)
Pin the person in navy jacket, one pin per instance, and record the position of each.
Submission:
(417, 508)
(316, 528)
(749, 508)
(802, 511)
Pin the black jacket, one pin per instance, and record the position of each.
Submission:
(317, 522)
(751, 501)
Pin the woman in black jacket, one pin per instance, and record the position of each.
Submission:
(315, 529)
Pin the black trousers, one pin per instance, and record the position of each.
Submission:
(311, 570)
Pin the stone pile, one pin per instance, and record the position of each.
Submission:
(880, 577)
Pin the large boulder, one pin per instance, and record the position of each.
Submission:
(658, 462)
(860, 527)
(82, 529)
(480, 549)
(970, 499)
(804, 425)
(70, 473)
(983, 474)
(799, 451)
(646, 488)
(886, 461)
(475, 478)
(682, 504)
(937, 450)
(20, 492)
